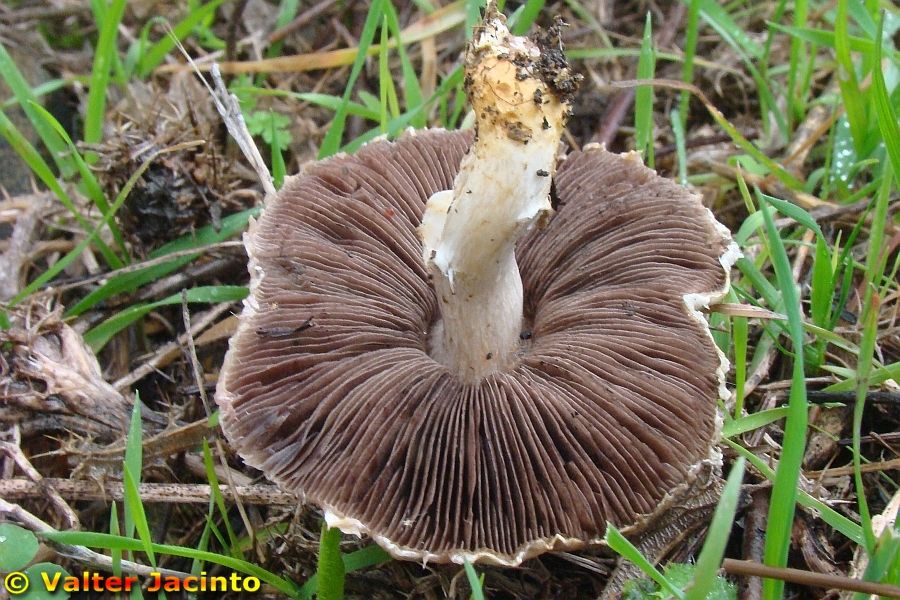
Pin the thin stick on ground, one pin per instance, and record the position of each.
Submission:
(198, 379)
(155, 493)
(168, 352)
(820, 580)
(15, 453)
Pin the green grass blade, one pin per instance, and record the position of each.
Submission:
(710, 559)
(330, 568)
(135, 517)
(365, 557)
(795, 95)
(864, 16)
(333, 102)
(65, 261)
(843, 156)
(474, 581)
(739, 326)
(740, 425)
(388, 105)
(643, 97)
(89, 181)
(459, 104)
(134, 446)
(740, 335)
(884, 110)
(98, 336)
(884, 562)
(715, 15)
(837, 521)
(680, 148)
(823, 37)
(473, 15)
(116, 554)
(272, 127)
(133, 279)
(795, 212)
(134, 449)
(821, 285)
(397, 125)
(155, 55)
(784, 490)
(211, 526)
(26, 97)
(324, 100)
(854, 100)
(287, 10)
(216, 496)
(760, 283)
(690, 49)
(618, 543)
(286, 13)
(135, 507)
(526, 16)
(360, 559)
(332, 141)
(864, 368)
(104, 540)
(878, 376)
(40, 90)
(412, 91)
(875, 265)
(33, 159)
(425, 6)
(104, 55)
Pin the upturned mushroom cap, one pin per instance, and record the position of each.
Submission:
(611, 405)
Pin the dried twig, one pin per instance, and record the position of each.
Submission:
(820, 580)
(168, 352)
(198, 379)
(162, 493)
(886, 465)
(15, 453)
(19, 250)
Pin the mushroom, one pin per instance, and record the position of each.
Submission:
(434, 361)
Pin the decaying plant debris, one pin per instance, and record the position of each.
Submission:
(64, 410)
(51, 382)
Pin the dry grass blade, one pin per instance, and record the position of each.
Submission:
(439, 21)
(228, 107)
(743, 310)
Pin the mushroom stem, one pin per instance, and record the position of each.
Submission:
(520, 93)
